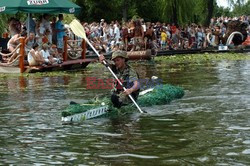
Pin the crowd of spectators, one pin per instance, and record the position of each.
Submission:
(43, 39)
(139, 35)
(48, 32)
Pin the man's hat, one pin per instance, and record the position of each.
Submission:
(119, 53)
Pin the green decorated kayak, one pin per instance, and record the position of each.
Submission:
(159, 95)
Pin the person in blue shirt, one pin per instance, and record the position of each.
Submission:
(60, 29)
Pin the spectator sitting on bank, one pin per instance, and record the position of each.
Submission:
(34, 57)
(46, 55)
(13, 42)
(55, 54)
(16, 53)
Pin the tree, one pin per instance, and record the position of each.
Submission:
(241, 8)
(177, 11)
(210, 10)
(3, 23)
(94, 10)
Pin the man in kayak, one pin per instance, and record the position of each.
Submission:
(126, 75)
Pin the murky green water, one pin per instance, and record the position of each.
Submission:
(208, 126)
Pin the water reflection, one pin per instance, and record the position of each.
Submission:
(209, 126)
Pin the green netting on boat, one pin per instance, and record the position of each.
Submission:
(162, 94)
(79, 108)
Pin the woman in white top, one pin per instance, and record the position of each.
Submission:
(45, 52)
(34, 57)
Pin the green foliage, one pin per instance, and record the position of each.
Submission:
(240, 9)
(94, 10)
(147, 9)
(3, 25)
(220, 11)
(192, 58)
(177, 11)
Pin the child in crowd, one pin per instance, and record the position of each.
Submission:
(163, 39)
(47, 37)
(55, 54)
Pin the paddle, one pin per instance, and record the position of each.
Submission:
(78, 30)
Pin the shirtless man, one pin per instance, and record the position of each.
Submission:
(138, 35)
(13, 42)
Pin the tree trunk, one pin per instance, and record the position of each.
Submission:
(210, 8)
(125, 10)
(175, 12)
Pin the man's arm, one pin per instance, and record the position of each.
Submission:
(134, 88)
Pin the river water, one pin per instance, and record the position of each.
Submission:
(209, 126)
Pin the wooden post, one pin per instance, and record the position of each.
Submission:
(65, 48)
(21, 59)
(83, 49)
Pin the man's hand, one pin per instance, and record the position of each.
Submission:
(132, 89)
(128, 92)
(101, 58)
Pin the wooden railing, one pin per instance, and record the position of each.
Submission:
(22, 53)
(65, 50)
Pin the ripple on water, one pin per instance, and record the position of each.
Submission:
(232, 154)
(247, 151)
(70, 153)
(238, 128)
(129, 155)
(108, 134)
(246, 142)
(165, 119)
(203, 159)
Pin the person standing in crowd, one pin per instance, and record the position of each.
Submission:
(47, 37)
(60, 29)
(138, 36)
(53, 29)
(29, 41)
(125, 35)
(217, 34)
(117, 33)
(30, 24)
(39, 30)
(149, 35)
(163, 38)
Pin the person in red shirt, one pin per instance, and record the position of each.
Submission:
(173, 28)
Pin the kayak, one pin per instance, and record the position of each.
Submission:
(158, 95)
